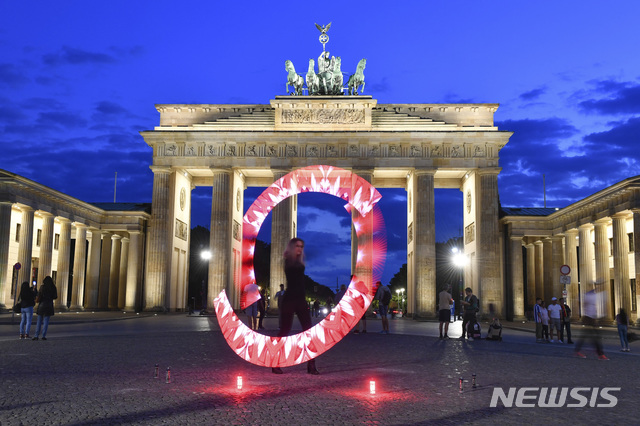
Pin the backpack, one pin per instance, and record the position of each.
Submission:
(386, 297)
(477, 331)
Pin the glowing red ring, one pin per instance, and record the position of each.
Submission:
(270, 351)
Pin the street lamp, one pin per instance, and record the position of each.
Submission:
(460, 261)
(205, 255)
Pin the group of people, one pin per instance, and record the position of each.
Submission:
(470, 307)
(28, 297)
(555, 317)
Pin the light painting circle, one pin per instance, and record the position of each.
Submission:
(285, 351)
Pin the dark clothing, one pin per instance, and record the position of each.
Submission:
(469, 318)
(565, 320)
(48, 293)
(591, 332)
(294, 301)
(27, 296)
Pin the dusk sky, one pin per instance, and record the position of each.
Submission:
(79, 81)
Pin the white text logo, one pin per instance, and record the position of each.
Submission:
(555, 397)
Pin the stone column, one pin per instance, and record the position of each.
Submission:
(64, 255)
(105, 267)
(159, 241)
(25, 245)
(557, 260)
(46, 247)
(282, 218)
(122, 279)
(93, 271)
(114, 271)
(221, 233)
(363, 245)
(133, 270)
(636, 257)
(516, 278)
(425, 244)
(531, 276)
(571, 259)
(601, 248)
(488, 250)
(548, 271)
(539, 265)
(5, 232)
(79, 262)
(621, 263)
(585, 261)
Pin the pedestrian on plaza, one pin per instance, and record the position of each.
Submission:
(327, 304)
(279, 296)
(251, 294)
(294, 298)
(622, 320)
(363, 320)
(544, 313)
(27, 299)
(316, 308)
(262, 308)
(444, 311)
(537, 316)
(47, 294)
(339, 294)
(566, 321)
(591, 321)
(470, 304)
(383, 296)
(555, 319)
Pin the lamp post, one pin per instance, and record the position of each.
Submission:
(206, 256)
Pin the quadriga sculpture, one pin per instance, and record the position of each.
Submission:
(293, 79)
(356, 80)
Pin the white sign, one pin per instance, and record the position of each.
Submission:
(565, 270)
(565, 279)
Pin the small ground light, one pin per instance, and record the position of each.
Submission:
(239, 382)
(372, 387)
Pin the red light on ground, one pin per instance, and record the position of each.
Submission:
(372, 387)
(239, 383)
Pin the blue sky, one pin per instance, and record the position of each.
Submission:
(79, 80)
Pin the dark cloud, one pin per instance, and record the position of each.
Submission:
(532, 94)
(73, 56)
(110, 108)
(64, 119)
(621, 98)
(621, 138)
(10, 75)
(547, 131)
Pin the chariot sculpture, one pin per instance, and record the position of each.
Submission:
(329, 80)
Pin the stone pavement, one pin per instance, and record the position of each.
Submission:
(98, 369)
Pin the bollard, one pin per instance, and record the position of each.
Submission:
(168, 380)
(461, 385)
(155, 374)
(473, 385)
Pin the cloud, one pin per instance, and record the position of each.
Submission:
(10, 75)
(63, 119)
(532, 94)
(622, 98)
(73, 56)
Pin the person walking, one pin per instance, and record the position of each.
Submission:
(444, 310)
(279, 296)
(383, 296)
(591, 321)
(294, 302)
(27, 298)
(470, 304)
(555, 319)
(544, 313)
(566, 321)
(48, 293)
(251, 294)
(622, 320)
(537, 317)
(262, 308)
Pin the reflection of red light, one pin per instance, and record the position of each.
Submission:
(372, 387)
(239, 383)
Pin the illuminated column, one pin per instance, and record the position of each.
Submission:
(365, 241)
(621, 263)
(516, 279)
(159, 241)
(531, 276)
(585, 261)
(64, 254)
(424, 225)
(79, 261)
(133, 269)
(601, 248)
(5, 231)
(122, 279)
(282, 230)
(547, 286)
(93, 271)
(539, 265)
(571, 259)
(557, 260)
(221, 234)
(46, 247)
(105, 267)
(636, 257)
(114, 271)
(25, 245)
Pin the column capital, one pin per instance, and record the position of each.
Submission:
(61, 219)
(219, 170)
(116, 237)
(489, 171)
(621, 215)
(603, 221)
(571, 231)
(421, 172)
(79, 225)
(586, 226)
(516, 238)
(160, 169)
(44, 213)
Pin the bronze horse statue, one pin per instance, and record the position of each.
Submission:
(357, 79)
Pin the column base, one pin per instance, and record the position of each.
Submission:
(76, 308)
(519, 318)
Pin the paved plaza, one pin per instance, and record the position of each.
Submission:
(98, 369)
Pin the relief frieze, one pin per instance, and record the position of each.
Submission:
(323, 116)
